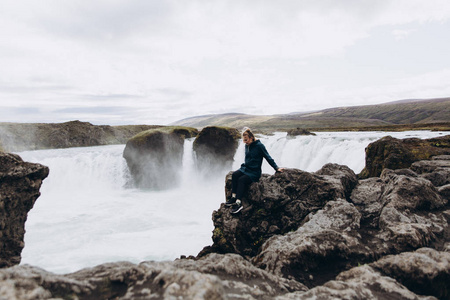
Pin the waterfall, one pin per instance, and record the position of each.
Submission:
(88, 213)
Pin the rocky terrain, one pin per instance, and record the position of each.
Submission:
(392, 153)
(19, 188)
(301, 235)
(16, 137)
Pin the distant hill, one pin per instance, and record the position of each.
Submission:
(413, 112)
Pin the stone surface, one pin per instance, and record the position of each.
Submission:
(19, 188)
(316, 252)
(276, 205)
(212, 277)
(392, 153)
(425, 271)
(359, 283)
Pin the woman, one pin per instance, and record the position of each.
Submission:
(250, 170)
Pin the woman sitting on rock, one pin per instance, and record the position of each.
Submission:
(250, 170)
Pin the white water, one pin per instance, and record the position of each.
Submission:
(86, 215)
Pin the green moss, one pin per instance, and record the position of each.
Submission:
(185, 132)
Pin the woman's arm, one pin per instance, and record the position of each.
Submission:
(269, 159)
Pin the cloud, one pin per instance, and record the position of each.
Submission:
(164, 60)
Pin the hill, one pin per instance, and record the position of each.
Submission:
(415, 113)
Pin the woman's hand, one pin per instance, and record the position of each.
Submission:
(280, 170)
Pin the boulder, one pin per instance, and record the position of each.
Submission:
(392, 153)
(436, 170)
(19, 188)
(298, 131)
(276, 204)
(214, 149)
(424, 271)
(320, 249)
(411, 216)
(154, 157)
(359, 283)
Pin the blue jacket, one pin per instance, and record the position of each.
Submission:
(254, 154)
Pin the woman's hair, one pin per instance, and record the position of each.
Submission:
(249, 133)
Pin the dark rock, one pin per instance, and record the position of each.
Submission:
(311, 226)
(436, 171)
(298, 131)
(155, 156)
(444, 191)
(19, 188)
(360, 283)
(214, 148)
(392, 153)
(276, 205)
(410, 216)
(367, 199)
(326, 244)
(425, 271)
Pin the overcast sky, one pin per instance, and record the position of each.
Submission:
(155, 62)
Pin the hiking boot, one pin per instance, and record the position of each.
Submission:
(230, 201)
(237, 207)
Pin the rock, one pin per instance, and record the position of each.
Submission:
(19, 188)
(437, 170)
(444, 191)
(359, 283)
(155, 156)
(392, 153)
(366, 197)
(275, 205)
(215, 148)
(320, 249)
(410, 218)
(298, 131)
(424, 271)
(234, 271)
(343, 174)
(213, 277)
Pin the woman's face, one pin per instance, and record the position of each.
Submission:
(246, 139)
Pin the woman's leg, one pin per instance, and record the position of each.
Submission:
(244, 182)
(235, 180)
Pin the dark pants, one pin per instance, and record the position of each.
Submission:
(239, 183)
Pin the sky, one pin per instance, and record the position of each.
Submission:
(114, 62)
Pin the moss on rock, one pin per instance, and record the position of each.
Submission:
(151, 151)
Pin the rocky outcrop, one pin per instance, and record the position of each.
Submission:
(16, 137)
(212, 277)
(392, 153)
(298, 131)
(310, 227)
(19, 188)
(277, 204)
(155, 156)
(412, 275)
(215, 148)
